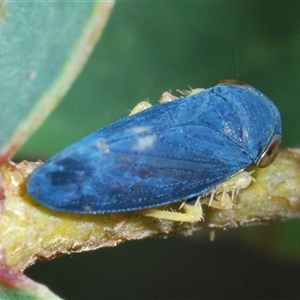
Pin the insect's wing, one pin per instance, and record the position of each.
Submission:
(166, 154)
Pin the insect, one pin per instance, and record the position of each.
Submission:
(168, 153)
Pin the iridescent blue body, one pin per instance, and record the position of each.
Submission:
(165, 154)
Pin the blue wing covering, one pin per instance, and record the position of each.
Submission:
(168, 153)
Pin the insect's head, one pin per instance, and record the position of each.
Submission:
(269, 152)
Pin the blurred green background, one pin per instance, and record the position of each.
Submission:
(146, 49)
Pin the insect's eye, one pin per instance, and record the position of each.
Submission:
(270, 153)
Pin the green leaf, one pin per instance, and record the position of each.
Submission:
(43, 47)
(15, 285)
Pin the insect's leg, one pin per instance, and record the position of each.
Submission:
(167, 97)
(233, 185)
(222, 201)
(143, 105)
(191, 214)
(190, 92)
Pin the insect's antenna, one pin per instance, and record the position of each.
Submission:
(237, 65)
